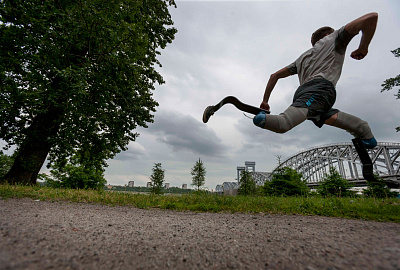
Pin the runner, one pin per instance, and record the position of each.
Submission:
(319, 69)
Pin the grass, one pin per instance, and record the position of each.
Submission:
(386, 210)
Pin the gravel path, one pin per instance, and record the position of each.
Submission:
(62, 235)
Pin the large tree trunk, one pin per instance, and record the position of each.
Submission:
(33, 152)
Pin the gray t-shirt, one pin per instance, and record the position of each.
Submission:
(324, 60)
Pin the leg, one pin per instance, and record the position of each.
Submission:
(355, 126)
(363, 139)
(367, 166)
(283, 122)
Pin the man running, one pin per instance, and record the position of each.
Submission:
(319, 69)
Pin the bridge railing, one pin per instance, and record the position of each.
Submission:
(336, 144)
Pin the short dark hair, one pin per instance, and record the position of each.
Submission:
(320, 33)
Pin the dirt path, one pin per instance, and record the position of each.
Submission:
(46, 235)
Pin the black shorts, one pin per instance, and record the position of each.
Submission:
(318, 96)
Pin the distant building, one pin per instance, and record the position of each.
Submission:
(131, 183)
(166, 185)
(250, 166)
(258, 177)
(148, 184)
(184, 186)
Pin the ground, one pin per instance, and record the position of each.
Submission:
(62, 235)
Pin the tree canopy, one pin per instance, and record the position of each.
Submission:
(393, 82)
(76, 78)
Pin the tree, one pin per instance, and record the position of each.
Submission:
(247, 184)
(198, 174)
(6, 162)
(157, 179)
(393, 82)
(76, 78)
(334, 184)
(286, 181)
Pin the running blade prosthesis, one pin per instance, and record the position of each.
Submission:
(367, 166)
(210, 110)
(207, 113)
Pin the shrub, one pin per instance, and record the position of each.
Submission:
(287, 182)
(379, 190)
(75, 177)
(334, 184)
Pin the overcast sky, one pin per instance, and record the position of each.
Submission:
(231, 48)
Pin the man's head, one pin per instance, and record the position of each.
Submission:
(320, 33)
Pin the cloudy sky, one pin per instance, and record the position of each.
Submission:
(230, 48)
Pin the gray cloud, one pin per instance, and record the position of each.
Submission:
(135, 151)
(185, 133)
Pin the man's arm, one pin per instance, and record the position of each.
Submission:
(282, 73)
(366, 24)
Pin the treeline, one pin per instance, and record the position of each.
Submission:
(288, 182)
(174, 190)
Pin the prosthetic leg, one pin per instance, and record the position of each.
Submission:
(367, 166)
(210, 110)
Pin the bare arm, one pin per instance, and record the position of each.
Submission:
(282, 73)
(366, 24)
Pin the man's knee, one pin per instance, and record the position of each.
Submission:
(363, 130)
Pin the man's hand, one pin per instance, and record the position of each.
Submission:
(264, 105)
(366, 24)
(359, 54)
(273, 79)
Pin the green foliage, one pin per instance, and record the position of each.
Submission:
(247, 186)
(76, 175)
(198, 173)
(286, 182)
(393, 82)
(334, 184)
(6, 162)
(157, 179)
(79, 75)
(379, 190)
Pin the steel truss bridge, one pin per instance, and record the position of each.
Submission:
(314, 163)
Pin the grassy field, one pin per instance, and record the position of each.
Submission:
(387, 210)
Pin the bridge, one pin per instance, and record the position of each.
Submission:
(314, 163)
